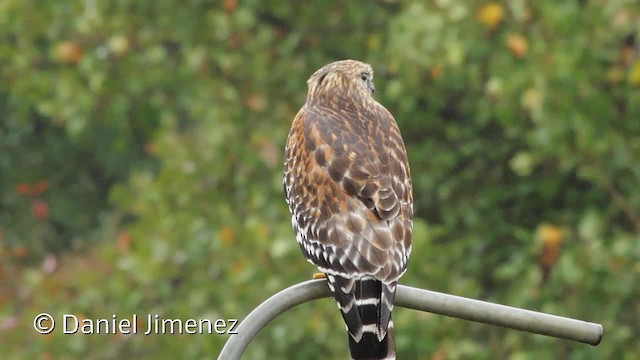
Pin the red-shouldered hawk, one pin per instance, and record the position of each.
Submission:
(348, 188)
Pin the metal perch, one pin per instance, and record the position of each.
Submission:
(417, 299)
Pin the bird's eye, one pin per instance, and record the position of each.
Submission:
(364, 76)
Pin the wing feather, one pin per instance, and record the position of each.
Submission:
(354, 201)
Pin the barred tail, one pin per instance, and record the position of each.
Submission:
(366, 304)
(369, 348)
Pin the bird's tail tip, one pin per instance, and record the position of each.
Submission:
(371, 348)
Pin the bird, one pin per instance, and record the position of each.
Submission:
(348, 187)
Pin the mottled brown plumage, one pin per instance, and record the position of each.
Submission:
(348, 188)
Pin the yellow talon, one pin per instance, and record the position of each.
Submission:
(319, 276)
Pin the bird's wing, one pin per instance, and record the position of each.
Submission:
(349, 174)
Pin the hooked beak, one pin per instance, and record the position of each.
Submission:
(371, 87)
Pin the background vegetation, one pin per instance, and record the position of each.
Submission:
(141, 157)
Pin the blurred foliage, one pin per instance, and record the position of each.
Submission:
(141, 150)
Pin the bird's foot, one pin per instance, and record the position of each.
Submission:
(319, 276)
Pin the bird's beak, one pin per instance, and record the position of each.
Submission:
(371, 87)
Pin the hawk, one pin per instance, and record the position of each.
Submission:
(348, 187)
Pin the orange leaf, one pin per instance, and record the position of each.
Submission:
(227, 235)
(435, 72)
(69, 52)
(255, 102)
(439, 355)
(230, 5)
(151, 148)
(40, 209)
(20, 252)
(552, 237)
(23, 189)
(518, 45)
(124, 241)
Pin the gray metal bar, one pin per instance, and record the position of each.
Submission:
(417, 299)
(501, 315)
(269, 310)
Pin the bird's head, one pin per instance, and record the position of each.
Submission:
(344, 75)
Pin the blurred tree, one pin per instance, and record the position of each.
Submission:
(520, 118)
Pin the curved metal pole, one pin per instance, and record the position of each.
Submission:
(417, 299)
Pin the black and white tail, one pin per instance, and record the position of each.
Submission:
(366, 304)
